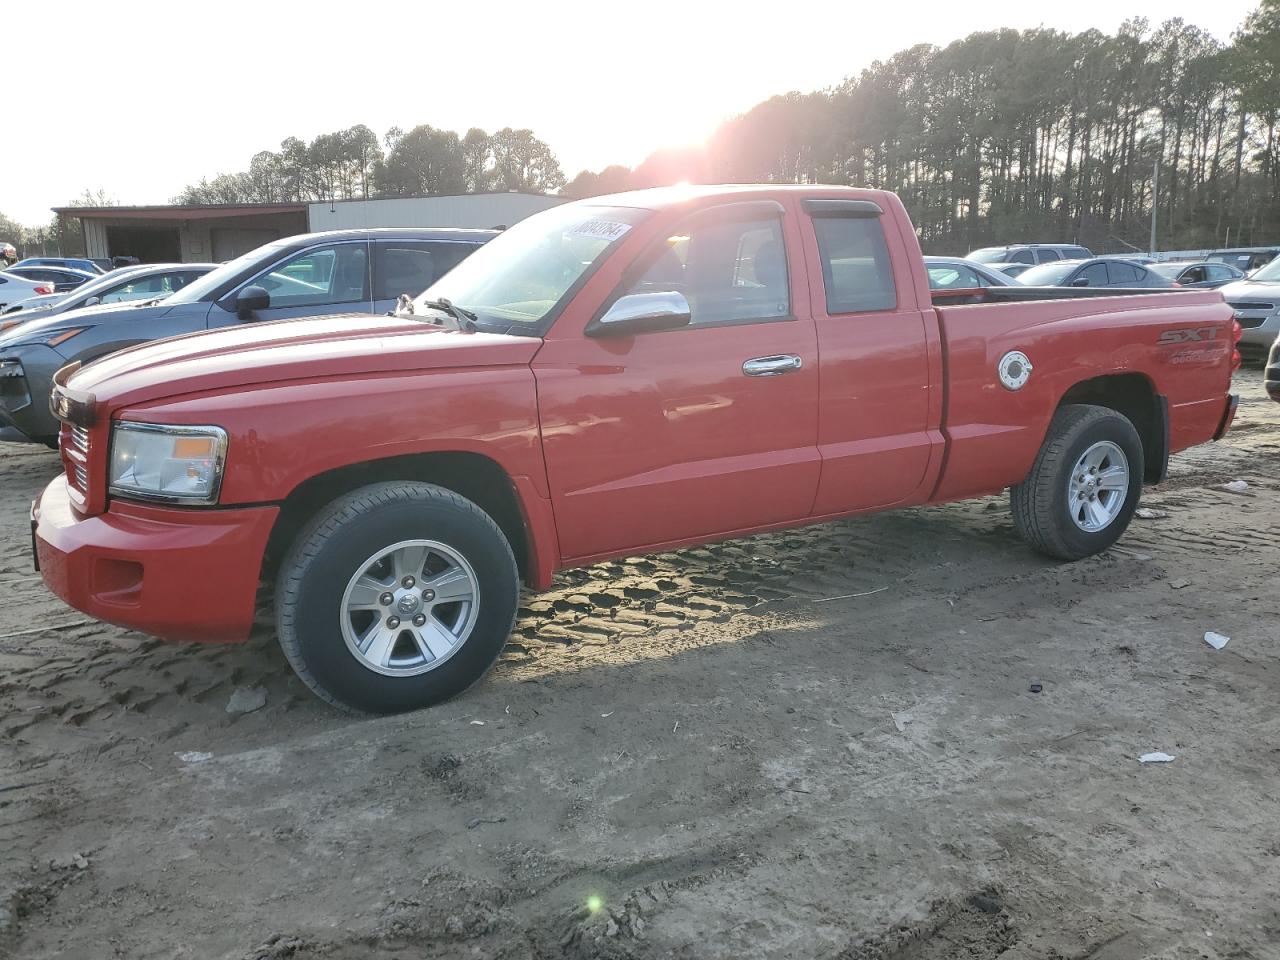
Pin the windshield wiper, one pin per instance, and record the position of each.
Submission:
(461, 314)
(462, 318)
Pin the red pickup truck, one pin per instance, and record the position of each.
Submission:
(615, 376)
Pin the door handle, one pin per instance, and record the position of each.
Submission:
(772, 366)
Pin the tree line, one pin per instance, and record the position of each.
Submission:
(1008, 136)
(353, 164)
(1001, 136)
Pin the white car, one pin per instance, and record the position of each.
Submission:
(14, 288)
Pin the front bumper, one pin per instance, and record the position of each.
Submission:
(1260, 329)
(177, 574)
(26, 377)
(1273, 372)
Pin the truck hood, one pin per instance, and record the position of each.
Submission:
(347, 346)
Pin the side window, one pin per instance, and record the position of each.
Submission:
(1217, 271)
(1194, 275)
(148, 287)
(1094, 275)
(410, 266)
(1048, 254)
(855, 264)
(728, 270)
(1022, 256)
(323, 275)
(1124, 274)
(955, 277)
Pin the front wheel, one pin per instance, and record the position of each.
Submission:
(1084, 485)
(395, 597)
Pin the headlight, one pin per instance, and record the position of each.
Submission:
(48, 338)
(173, 464)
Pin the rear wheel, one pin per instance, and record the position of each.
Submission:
(395, 597)
(1084, 485)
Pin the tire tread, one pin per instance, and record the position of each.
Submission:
(313, 537)
(1033, 500)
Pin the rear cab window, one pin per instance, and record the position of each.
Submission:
(857, 274)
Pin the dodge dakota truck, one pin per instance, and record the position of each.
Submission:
(610, 377)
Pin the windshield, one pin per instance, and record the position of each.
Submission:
(1048, 274)
(1268, 274)
(201, 288)
(989, 254)
(517, 280)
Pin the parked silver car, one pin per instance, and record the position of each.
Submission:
(150, 282)
(1256, 301)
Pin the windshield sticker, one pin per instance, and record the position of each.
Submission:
(607, 230)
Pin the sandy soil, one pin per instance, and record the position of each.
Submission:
(814, 744)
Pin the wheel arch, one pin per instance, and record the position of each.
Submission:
(475, 476)
(1133, 395)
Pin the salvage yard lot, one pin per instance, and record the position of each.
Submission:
(819, 743)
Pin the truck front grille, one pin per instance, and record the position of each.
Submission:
(75, 455)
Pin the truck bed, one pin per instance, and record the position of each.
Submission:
(1171, 342)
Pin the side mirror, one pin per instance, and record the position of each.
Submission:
(93, 301)
(642, 313)
(250, 300)
(1080, 282)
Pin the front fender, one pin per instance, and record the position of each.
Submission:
(281, 435)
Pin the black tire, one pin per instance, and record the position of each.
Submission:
(1041, 511)
(325, 557)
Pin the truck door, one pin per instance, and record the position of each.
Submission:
(875, 404)
(656, 438)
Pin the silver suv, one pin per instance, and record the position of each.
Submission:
(317, 274)
(1032, 254)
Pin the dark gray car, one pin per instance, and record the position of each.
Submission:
(1098, 272)
(1200, 274)
(304, 276)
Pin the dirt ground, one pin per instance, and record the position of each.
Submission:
(821, 743)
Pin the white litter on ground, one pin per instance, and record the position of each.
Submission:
(247, 699)
(193, 756)
(900, 720)
(1146, 513)
(1215, 640)
(1156, 757)
(1236, 486)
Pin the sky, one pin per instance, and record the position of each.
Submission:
(139, 98)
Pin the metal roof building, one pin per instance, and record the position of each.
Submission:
(217, 232)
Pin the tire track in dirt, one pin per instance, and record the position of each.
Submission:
(91, 679)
